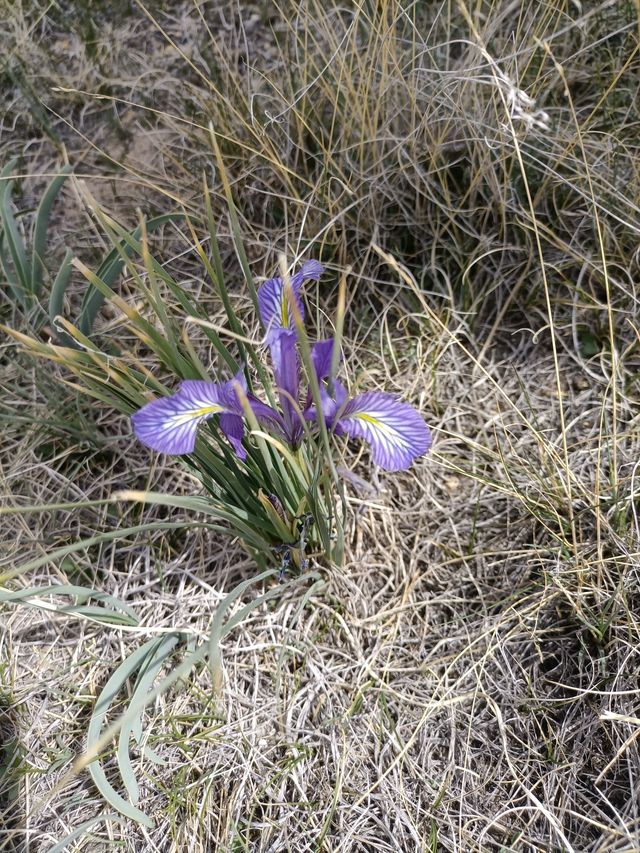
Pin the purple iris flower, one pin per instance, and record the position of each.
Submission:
(396, 433)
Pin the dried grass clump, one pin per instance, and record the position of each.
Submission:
(468, 680)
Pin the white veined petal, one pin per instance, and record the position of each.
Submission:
(395, 430)
(169, 425)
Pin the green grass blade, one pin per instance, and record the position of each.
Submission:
(230, 480)
(220, 630)
(56, 298)
(237, 517)
(215, 270)
(93, 613)
(110, 269)
(9, 275)
(217, 631)
(40, 229)
(7, 169)
(193, 311)
(236, 231)
(154, 295)
(100, 738)
(127, 616)
(152, 337)
(146, 676)
(15, 245)
(83, 544)
(108, 695)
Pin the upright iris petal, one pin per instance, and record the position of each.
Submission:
(276, 315)
(286, 370)
(396, 432)
(331, 404)
(275, 311)
(321, 355)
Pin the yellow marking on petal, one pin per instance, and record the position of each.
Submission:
(376, 422)
(384, 428)
(185, 417)
(207, 410)
(284, 312)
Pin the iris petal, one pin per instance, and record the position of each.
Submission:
(169, 425)
(265, 415)
(233, 428)
(275, 311)
(311, 269)
(330, 404)
(202, 393)
(286, 370)
(268, 417)
(395, 431)
(321, 354)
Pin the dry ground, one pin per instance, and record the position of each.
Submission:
(468, 679)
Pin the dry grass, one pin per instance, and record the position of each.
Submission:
(467, 681)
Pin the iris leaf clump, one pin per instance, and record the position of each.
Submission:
(262, 439)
